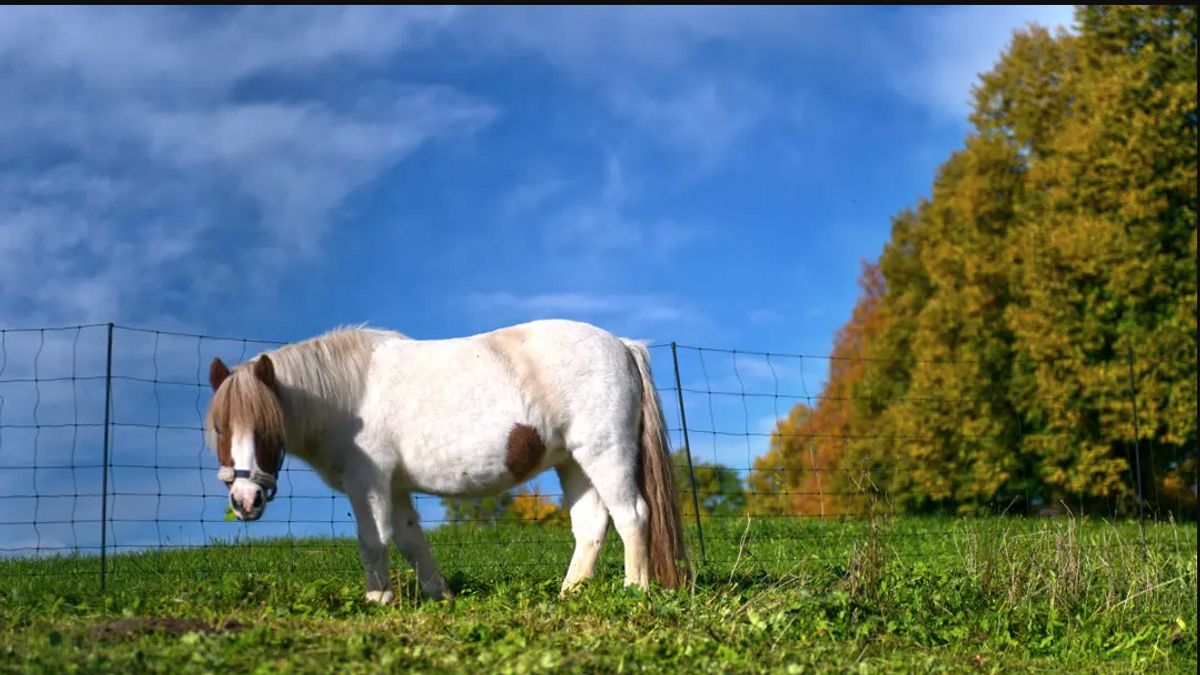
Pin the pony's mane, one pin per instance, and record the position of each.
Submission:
(331, 367)
(340, 341)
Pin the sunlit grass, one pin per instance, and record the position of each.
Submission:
(771, 594)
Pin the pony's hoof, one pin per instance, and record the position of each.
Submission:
(642, 586)
(381, 597)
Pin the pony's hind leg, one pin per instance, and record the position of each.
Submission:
(589, 523)
(613, 471)
(410, 539)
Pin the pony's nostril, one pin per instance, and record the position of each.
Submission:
(257, 499)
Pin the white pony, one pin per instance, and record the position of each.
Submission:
(380, 416)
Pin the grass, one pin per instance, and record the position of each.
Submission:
(775, 595)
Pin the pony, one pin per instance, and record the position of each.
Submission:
(379, 416)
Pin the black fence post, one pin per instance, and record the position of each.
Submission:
(104, 470)
(1137, 451)
(687, 451)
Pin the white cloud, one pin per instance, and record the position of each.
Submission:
(649, 61)
(764, 315)
(943, 53)
(607, 42)
(531, 196)
(707, 119)
(601, 224)
(646, 64)
(139, 179)
(589, 240)
(167, 50)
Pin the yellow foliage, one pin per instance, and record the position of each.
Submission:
(987, 359)
(532, 507)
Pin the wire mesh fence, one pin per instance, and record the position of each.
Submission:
(102, 456)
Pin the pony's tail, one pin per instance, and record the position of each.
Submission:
(658, 480)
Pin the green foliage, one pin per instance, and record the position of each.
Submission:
(783, 595)
(719, 490)
(477, 510)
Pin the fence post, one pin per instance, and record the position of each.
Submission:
(1137, 452)
(104, 470)
(687, 451)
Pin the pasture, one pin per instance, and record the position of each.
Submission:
(775, 595)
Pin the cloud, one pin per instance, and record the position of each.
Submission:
(531, 196)
(649, 66)
(158, 160)
(584, 234)
(764, 315)
(605, 42)
(129, 50)
(943, 51)
(678, 75)
(707, 118)
(600, 224)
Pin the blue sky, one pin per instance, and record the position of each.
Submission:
(708, 175)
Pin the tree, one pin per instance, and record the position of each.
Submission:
(810, 468)
(1109, 260)
(719, 490)
(532, 507)
(987, 359)
(512, 506)
(477, 510)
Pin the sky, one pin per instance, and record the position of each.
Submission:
(713, 176)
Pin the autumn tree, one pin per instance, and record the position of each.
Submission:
(988, 360)
(1108, 260)
(803, 470)
(533, 507)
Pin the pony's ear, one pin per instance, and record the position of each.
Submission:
(264, 370)
(217, 372)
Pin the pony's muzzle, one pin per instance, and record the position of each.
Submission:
(247, 501)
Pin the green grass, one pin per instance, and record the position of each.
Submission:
(775, 595)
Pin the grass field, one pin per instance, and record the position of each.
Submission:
(908, 594)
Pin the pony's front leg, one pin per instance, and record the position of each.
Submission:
(373, 512)
(410, 539)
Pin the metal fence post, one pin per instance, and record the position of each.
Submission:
(687, 451)
(104, 470)
(1137, 451)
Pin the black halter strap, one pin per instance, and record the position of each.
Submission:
(267, 480)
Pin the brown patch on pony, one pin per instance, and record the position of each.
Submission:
(525, 451)
(246, 401)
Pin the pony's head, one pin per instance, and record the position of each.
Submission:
(244, 427)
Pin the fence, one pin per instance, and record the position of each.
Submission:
(102, 457)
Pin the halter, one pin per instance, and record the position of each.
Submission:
(267, 481)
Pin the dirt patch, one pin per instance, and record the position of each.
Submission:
(174, 627)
